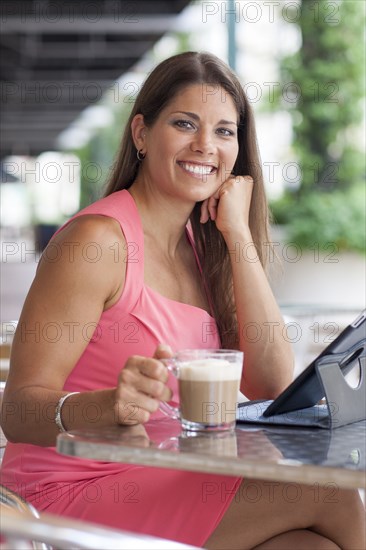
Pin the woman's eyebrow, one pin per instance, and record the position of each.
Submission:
(196, 117)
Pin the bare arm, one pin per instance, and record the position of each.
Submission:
(268, 357)
(72, 292)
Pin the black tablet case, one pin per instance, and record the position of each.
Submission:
(324, 377)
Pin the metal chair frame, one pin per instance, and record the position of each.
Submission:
(21, 523)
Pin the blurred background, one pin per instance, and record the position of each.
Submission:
(70, 71)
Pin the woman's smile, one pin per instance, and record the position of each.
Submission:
(197, 169)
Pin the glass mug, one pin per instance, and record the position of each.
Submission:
(208, 384)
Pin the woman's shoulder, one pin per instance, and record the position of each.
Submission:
(119, 205)
(116, 213)
(100, 220)
(95, 233)
(89, 252)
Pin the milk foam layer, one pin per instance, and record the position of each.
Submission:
(209, 370)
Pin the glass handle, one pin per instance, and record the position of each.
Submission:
(172, 412)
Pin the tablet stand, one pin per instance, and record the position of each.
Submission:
(345, 404)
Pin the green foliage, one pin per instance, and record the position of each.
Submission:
(328, 86)
(336, 218)
(328, 69)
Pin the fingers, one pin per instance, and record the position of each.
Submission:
(239, 188)
(141, 387)
(146, 375)
(212, 207)
(205, 216)
(242, 182)
(163, 351)
(209, 208)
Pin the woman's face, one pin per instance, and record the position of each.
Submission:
(192, 147)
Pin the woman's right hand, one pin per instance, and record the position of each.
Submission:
(141, 386)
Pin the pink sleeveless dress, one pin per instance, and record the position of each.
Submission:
(166, 503)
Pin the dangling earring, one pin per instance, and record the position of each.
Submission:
(140, 155)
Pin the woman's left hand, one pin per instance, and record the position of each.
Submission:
(229, 206)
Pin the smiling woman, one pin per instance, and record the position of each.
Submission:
(184, 202)
(229, 127)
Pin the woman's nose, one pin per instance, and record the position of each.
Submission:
(202, 142)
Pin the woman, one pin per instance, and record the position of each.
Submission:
(124, 277)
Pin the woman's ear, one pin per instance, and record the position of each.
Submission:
(138, 131)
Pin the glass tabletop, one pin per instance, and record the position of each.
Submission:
(302, 455)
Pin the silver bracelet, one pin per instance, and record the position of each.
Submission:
(58, 419)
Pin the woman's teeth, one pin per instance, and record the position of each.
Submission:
(200, 169)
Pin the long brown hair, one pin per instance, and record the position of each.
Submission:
(161, 86)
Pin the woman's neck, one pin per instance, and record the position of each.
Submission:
(161, 217)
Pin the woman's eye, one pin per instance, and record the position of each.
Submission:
(184, 124)
(225, 132)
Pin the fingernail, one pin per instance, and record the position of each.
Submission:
(165, 347)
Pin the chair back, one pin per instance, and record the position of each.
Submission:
(21, 523)
(14, 504)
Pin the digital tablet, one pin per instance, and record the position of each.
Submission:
(306, 390)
